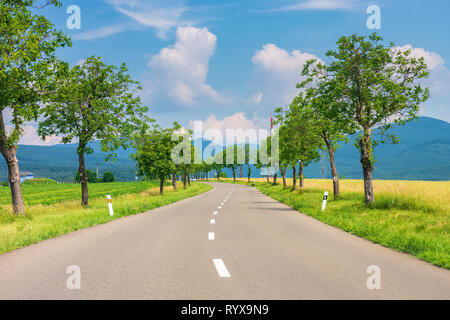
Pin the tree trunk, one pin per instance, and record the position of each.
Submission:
(333, 168)
(9, 153)
(184, 179)
(161, 186)
(267, 177)
(275, 178)
(174, 181)
(189, 180)
(300, 174)
(83, 176)
(294, 177)
(234, 173)
(14, 179)
(283, 172)
(366, 151)
(218, 175)
(249, 172)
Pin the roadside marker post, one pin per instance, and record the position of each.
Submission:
(108, 199)
(324, 202)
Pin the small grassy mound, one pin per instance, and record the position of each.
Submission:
(39, 181)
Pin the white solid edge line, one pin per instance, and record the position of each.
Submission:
(221, 268)
(211, 236)
(212, 221)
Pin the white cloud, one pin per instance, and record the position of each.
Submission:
(439, 79)
(277, 72)
(100, 33)
(432, 59)
(161, 15)
(180, 71)
(320, 5)
(256, 98)
(237, 121)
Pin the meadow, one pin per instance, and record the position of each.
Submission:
(408, 216)
(55, 209)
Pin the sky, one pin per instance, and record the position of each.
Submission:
(230, 63)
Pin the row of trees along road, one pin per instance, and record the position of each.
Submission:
(365, 86)
(87, 102)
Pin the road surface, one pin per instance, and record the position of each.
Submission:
(232, 242)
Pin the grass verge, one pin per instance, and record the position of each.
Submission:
(48, 221)
(403, 217)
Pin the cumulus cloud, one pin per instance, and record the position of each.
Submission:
(276, 73)
(180, 71)
(433, 60)
(235, 121)
(238, 122)
(439, 79)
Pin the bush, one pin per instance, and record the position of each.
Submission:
(92, 177)
(222, 175)
(108, 177)
(40, 181)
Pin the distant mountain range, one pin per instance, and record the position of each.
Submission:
(423, 153)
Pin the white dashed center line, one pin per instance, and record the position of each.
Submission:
(215, 212)
(221, 268)
(212, 221)
(219, 207)
(211, 236)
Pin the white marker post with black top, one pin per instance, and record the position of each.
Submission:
(324, 202)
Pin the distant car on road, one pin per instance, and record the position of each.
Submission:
(193, 179)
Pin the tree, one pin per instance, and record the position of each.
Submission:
(154, 154)
(108, 176)
(372, 86)
(231, 157)
(27, 62)
(299, 139)
(313, 105)
(93, 101)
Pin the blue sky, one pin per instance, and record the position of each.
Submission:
(230, 63)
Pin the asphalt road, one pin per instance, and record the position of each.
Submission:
(255, 248)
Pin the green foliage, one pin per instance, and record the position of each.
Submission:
(154, 153)
(367, 85)
(94, 101)
(91, 175)
(108, 176)
(222, 175)
(27, 63)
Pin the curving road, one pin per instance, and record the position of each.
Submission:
(232, 242)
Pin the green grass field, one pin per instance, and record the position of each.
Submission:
(408, 216)
(55, 209)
